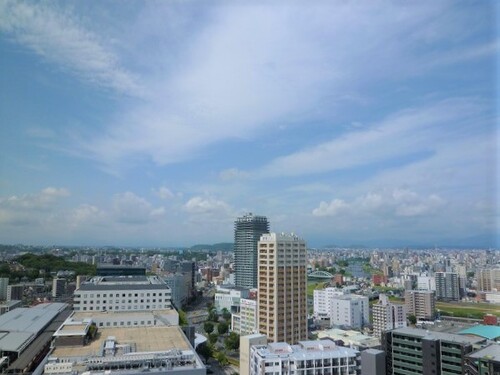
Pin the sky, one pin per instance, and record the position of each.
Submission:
(145, 123)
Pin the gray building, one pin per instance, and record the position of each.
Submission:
(247, 232)
(418, 351)
(373, 362)
(447, 286)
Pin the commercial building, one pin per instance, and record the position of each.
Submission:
(447, 286)
(26, 333)
(349, 310)
(321, 357)
(418, 351)
(122, 293)
(420, 303)
(426, 283)
(322, 302)
(228, 297)
(58, 287)
(122, 351)
(387, 316)
(247, 232)
(245, 322)
(282, 287)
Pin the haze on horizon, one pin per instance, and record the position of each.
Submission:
(158, 123)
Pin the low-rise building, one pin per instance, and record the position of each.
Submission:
(319, 357)
(228, 297)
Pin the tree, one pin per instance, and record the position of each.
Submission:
(208, 327)
(412, 319)
(213, 338)
(183, 321)
(232, 342)
(206, 350)
(222, 358)
(213, 316)
(222, 328)
(226, 314)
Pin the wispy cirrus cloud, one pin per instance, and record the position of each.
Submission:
(407, 132)
(61, 38)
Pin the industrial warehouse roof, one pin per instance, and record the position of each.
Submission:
(19, 327)
(488, 332)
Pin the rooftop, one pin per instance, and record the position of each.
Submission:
(449, 337)
(488, 332)
(145, 339)
(491, 352)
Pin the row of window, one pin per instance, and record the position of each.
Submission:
(111, 295)
(135, 307)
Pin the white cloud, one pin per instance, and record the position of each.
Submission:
(335, 207)
(29, 208)
(400, 202)
(60, 37)
(207, 205)
(248, 71)
(404, 133)
(132, 209)
(163, 193)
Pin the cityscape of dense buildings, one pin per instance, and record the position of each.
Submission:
(341, 311)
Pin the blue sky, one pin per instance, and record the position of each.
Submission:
(157, 123)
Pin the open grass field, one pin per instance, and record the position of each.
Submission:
(467, 310)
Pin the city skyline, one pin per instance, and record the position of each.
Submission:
(158, 124)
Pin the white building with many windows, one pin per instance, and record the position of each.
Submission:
(122, 293)
(350, 310)
(319, 357)
(245, 322)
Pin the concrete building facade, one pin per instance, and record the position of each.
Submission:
(387, 316)
(420, 303)
(321, 357)
(247, 232)
(282, 287)
(447, 286)
(122, 293)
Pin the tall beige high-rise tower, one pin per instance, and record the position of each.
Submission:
(282, 285)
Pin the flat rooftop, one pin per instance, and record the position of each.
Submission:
(103, 315)
(145, 339)
(450, 337)
(491, 352)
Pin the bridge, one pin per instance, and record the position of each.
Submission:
(319, 275)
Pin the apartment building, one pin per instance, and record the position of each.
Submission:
(387, 316)
(282, 287)
(420, 303)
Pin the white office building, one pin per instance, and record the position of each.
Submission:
(319, 357)
(228, 297)
(426, 283)
(321, 301)
(245, 322)
(350, 310)
(122, 293)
